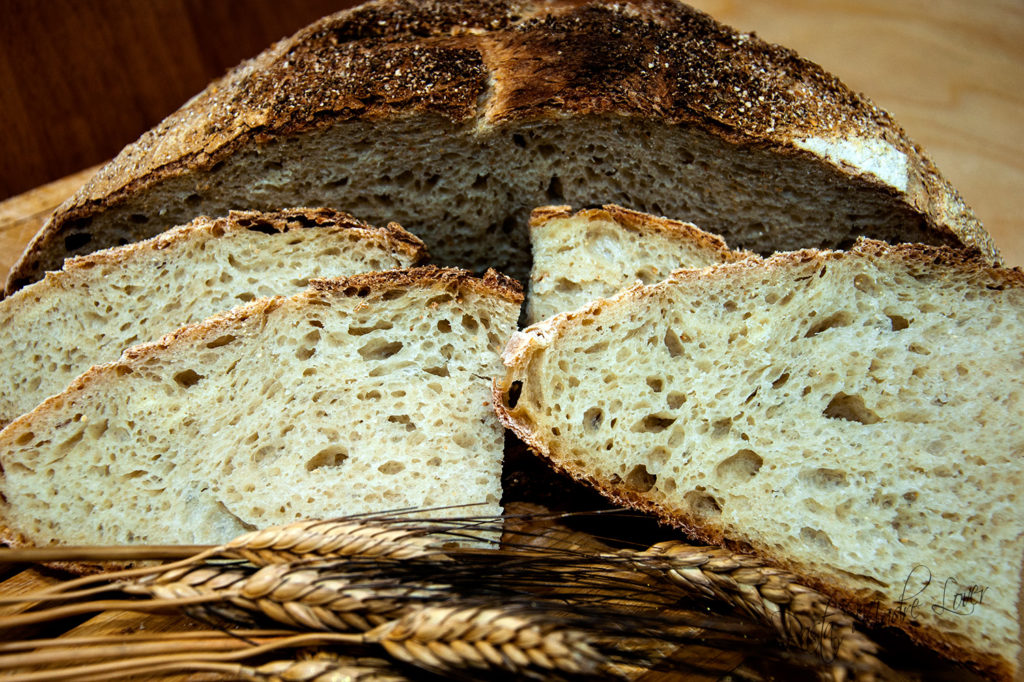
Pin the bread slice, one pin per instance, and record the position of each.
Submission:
(595, 253)
(359, 394)
(98, 305)
(854, 416)
(649, 104)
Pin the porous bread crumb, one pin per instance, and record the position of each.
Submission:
(99, 305)
(358, 395)
(595, 253)
(856, 416)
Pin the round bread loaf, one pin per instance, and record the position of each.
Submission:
(456, 118)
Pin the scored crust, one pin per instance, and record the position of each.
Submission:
(523, 345)
(492, 62)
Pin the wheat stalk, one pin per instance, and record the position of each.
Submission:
(801, 616)
(447, 638)
(389, 580)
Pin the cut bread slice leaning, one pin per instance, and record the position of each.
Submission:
(360, 394)
(595, 253)
(855, 416)
(100, 304)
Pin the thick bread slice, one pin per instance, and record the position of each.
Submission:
(98, 305)
(597, 252)
(359, 394)
(646, 103)
(855, 416)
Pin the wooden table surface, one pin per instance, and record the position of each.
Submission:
(951, 72)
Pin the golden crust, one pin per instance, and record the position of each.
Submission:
(496, 61)
(921, 258)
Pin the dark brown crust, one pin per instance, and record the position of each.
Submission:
(637, 221)
(915, 257)
(497, 61)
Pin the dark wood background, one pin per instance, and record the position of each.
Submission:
(80, 79)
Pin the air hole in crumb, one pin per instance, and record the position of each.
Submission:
(740, 467)
(404, 420)
(305, 353)
(721, 427)
(898, 322)
(818, 539)
(379, 349)
(783, 378)
(518, 140)
(444, 326)
(840, 319)
(653, 423)
(469, 324)
(851, 408)
(555, 191)
(514, 391)
(391, 468)
(221, 341)
(639, 479)
(592, 418)
(437, 371)
(674, 343)
(656, 384)
(675, 400)
(187, 378)
(139, 218)
(823, 478)
(25, 438)
(77, 240)
(702, 503)
(192, 199)
(331, 456)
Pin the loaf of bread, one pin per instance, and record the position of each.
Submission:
(645, 103)
(595, 253)
(854, 416)
(360, 394)
(100, 304)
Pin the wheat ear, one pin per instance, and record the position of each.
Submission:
(802, 617)
(447, 638)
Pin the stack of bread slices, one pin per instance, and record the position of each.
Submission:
(849, 407)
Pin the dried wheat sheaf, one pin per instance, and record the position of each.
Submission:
(395, 597)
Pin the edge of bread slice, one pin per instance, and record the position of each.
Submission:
(853, 416)
(360, 394)
(97, 305)
(596, 252)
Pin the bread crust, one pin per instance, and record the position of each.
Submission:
(523, 345)
(488, 63)
(286, 220)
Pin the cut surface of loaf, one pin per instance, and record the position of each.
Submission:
(360, 394)
(646, 103)
(855, 416)
(100, 304)
(595, 253)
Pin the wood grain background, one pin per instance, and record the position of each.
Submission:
(82, 78)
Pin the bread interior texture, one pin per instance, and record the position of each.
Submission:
(328, 403)
(467, 190)
(854, 416)
(595, 253)
(98, 306)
